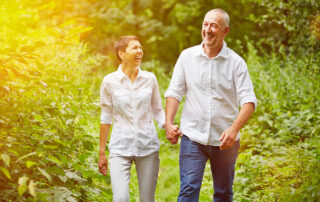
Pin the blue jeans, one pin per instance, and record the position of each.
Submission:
(192, 161)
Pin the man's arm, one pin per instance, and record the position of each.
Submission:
(228, 137)
(103, 162)
(172, 131)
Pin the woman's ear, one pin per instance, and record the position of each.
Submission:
(121, 54)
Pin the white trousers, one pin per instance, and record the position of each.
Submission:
(147, 168)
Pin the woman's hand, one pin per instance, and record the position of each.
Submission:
(103, 164)
(172, 133)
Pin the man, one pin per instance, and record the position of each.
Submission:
(215, 82)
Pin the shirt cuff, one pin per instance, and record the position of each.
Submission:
(249, 99)
(174, 93)
(161, 124)
(105, 118)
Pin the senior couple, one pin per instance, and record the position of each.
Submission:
(215, 82)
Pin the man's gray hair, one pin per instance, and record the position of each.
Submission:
(225, 15)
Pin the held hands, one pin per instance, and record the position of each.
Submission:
(228, 138)
(172, 132)
(103, 164)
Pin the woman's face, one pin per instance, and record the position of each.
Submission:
(133, 53)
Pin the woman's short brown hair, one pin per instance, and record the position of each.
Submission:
(122, 43)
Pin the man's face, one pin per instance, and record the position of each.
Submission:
(214, 30)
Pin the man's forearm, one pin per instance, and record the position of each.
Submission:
(243, 116)
(104, 132)
(172, 106)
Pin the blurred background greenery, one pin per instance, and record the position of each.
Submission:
(54, 54)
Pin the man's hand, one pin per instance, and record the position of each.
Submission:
(228, 138)
(103, 164)
(172, 133)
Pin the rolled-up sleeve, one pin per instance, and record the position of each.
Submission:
(244, 86)
(177, 84)
(156, 104)
(105, 103)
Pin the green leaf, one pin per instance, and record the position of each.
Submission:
(6, 159)
(44, 173)
(245, 200)
(88, 145)
(80, 29)
(67, 23)
(25, 156)
(5, 89)
(38, 118)
(22, 60)
(19, 73)
(30, 163)
(39, 44)
(27, 49)
(3, 73)
(40, 65)
(32, 189)
(56, 170)
(69, 121)
(51, 146)
(34, 72)
(13, 42)
(54, 159)
(22, 185)
(13, 152)
(5, 172)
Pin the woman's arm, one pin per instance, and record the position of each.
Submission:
(103, 161)
(156, 104)
(105, 123)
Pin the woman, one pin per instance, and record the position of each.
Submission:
(130, 99)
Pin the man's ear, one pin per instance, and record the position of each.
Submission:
(121, 54)
(226, 30)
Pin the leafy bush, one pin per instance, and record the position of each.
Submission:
(289, 26)
(46, 109)
(280, 144)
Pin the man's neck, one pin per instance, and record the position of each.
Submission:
(213, 51)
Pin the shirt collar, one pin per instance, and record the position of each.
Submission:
(123, 75)
(223, 52)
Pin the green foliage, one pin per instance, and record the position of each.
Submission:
(280, 145)
(288, 89)
(164, 27)
(292, 26)
(46, 105)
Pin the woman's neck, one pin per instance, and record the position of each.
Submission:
(130, 70)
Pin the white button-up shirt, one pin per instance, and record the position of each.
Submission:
(131, 108)
(213, 88)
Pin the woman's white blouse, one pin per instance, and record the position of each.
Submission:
(131, 107)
